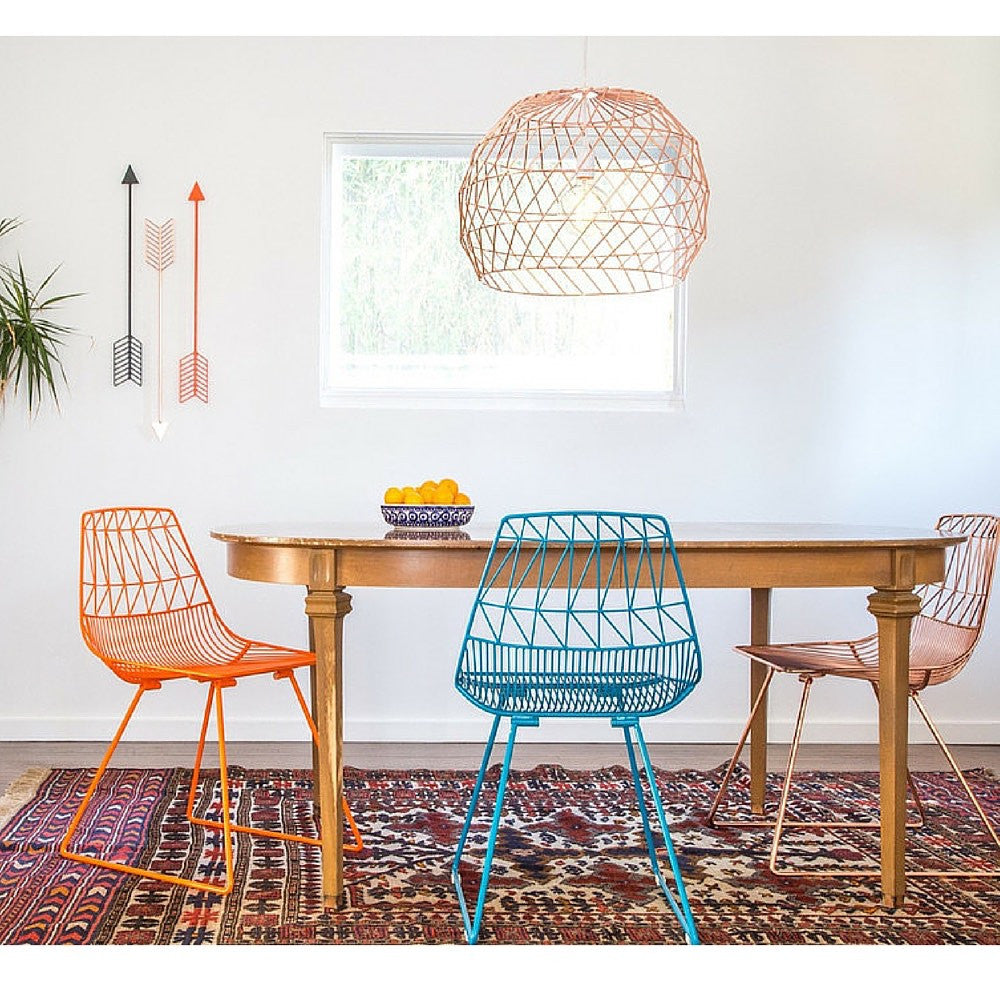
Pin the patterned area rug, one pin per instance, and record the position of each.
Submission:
(570, 864)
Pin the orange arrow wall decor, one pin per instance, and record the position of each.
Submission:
(193, 366)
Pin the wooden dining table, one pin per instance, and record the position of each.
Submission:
(330, 560)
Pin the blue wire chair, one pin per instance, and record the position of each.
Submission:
(572, 620)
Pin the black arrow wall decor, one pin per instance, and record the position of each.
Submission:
(127, 351)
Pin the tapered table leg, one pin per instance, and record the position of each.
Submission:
(326, 610)
(894, 611)
(760, 635)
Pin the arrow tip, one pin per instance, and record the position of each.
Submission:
(196, 194)
(130, 177)
(160, 428)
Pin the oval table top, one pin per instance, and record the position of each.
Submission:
(687, 535)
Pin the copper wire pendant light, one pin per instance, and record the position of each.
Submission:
(587, 191)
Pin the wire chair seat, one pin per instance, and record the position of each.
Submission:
(190, 642)
(938, 650)
(566, 681)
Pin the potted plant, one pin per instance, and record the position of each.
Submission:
(29, 339)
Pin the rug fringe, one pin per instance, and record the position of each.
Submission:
(20, 791)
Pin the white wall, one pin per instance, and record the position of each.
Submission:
(843, 351)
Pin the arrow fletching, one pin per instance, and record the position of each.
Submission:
(158, 251)
(127, 360)
(193, 383)
(158, 247)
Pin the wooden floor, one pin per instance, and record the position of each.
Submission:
(16, 758)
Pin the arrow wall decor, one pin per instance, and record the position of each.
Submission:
(193, 366)
(126, 363)
(159, 254)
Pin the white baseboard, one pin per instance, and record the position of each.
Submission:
(662, 730)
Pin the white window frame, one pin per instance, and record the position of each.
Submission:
(332, 395)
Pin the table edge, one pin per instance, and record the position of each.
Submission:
(942, 540)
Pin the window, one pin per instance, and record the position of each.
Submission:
(407, 323)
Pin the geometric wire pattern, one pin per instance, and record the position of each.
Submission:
(145, 609)
(146, 612)
(588, 191)
(572, 618)
(944, 633)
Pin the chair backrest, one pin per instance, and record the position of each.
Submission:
(575, 607)
(952, 612)
(144, 606)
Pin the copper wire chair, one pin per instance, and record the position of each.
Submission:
(943, 637)
(146, 612)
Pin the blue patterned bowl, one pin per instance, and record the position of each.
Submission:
(427, 515)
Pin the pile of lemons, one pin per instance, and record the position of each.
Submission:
(444, 492)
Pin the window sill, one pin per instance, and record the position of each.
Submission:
(443, 399)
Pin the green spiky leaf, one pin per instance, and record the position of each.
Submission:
(30, 339)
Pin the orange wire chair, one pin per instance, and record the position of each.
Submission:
(146, 612)
(943, 638)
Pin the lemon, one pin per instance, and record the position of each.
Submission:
(444, 494)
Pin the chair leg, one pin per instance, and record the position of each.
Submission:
(199, 753)
(720, 795)
(788, 824)
(786, 787)
(472, 925)
(357, 845)
(353, 848)
(212, 887)
(968, 791)
(227, 822)
(781, 823)
(98, 774)
(679, 905)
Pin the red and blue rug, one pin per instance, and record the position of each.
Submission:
(570, 864)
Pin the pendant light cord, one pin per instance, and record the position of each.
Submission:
(586, 53)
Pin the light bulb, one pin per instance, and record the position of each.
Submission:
(584, 201)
